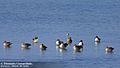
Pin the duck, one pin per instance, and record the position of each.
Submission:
(109, 49)
(69, 39)
(97, 39)
(43, 47)
(6, 44)
(63, 45)
(35, 39)
(81, 43)
(77, 48)
(25, 45)
(58, 42)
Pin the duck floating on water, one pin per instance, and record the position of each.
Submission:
(58, 42)
(77, 48)
(43, 47)
(81, 43)
(63, 45)
(97, 39)
(25, 45)
(35, 39)
(69, 39)
(6, 44)
(109, 49)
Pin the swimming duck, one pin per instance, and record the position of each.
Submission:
(43, 47)
(25, 45)
(109, 49)
(63, 45)
(58, 42)
(62, 51)
(77, 47)
(81, 43)
(35, 40)
(7, 44)
(97, 39)
(69, 39)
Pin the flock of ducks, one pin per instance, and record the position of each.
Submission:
(59, 44)
(79, 47)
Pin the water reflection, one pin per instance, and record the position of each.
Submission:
(35, 44)
(97, 43)
(96, 51)
(25, 48)
(108, 52)
(42, 51)
(7, 47)
(57, 46)
(76, 51)
(62, 51)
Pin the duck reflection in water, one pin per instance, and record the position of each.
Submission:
(62, 51)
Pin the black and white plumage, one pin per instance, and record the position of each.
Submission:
(63, 45)
(77, 47)
(58, 42)
(97, 39)
(81, 43)
(43, 47)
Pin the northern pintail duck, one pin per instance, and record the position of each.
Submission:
(35, 40)
(25, 45)
(6, 44)
(97, 39)
(69, 39)
(81, 43)
(63, 45)
(109, 49)
(77, 47)
(43, 47)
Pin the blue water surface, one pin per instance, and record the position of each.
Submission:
(21, 20)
